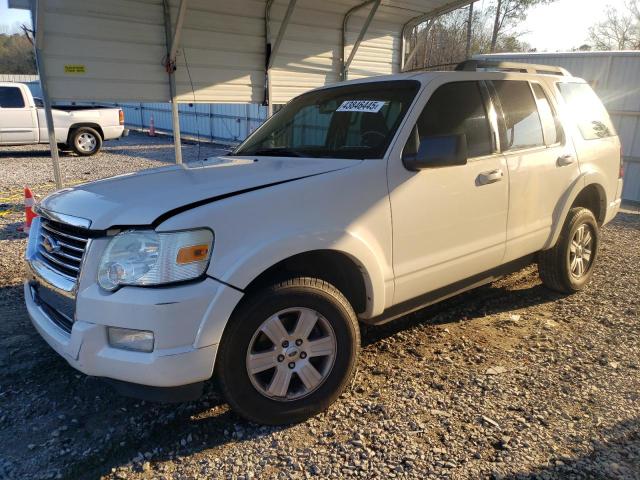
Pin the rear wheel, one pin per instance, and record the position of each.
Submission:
(86, 141)
(289, 351)
(568, 266)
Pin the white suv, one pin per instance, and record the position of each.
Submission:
(357, 202)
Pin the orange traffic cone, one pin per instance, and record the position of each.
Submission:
(29, 214)
(152, 128)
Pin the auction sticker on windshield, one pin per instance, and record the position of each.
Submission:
(371, 106)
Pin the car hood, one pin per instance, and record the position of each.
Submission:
(150, 196)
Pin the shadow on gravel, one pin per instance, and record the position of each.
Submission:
(9, 231)
(99, 430)
(13, 153)
(614, 455)
(476, 303)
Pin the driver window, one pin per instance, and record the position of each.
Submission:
(456, 108)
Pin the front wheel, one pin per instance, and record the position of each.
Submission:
(568, 266)
(86, 141)
(288, 352)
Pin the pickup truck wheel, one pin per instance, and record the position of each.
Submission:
(86, 141)
(568, 267)
(288, 352)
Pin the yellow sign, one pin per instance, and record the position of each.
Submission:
(74, 69)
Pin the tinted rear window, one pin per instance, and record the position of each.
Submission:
(587, 110)
(522, 125)
(11, 97)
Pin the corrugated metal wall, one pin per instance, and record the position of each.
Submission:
(228, 123)
(615, 76)
(18, 77)
(113, 51)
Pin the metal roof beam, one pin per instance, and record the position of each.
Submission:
(415, 21)
(363, 31)
(283, 28)
(272, 51)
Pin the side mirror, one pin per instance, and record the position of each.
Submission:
(437, 151)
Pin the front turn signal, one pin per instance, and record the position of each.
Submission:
(192, 253)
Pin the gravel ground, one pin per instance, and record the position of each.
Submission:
(508, 381)
(31, 164)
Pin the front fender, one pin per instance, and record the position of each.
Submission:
(564, 205)
(264, 255)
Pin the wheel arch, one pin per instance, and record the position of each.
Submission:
(586, 191)
(329, 264)
(333, 266)
(76, 126)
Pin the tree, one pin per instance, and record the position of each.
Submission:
(16, 54)
(620, 30)
(508, 12)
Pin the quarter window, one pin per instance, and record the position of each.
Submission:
(11, 97)
(587, 110)
(454, 109)
(550, 122)
(522, 126)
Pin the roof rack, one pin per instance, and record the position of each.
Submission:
(475, 65)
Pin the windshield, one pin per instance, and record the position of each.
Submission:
(354, 121)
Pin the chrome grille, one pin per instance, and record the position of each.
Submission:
(61, 247)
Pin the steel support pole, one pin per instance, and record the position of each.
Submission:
(172, 45)
(272, 51)
(363, 31)
(38, 25)
(469, 32)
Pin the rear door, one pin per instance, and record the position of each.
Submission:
(541, 161)
(18, 121)
(449, 223)
(595, 137)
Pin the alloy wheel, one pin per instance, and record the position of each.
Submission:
(291, 354)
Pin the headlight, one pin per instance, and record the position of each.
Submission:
(148, 258)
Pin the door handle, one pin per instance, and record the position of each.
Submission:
(492, 176)
(564, 160)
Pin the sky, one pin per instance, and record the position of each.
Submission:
(561, 25)
(564, 24)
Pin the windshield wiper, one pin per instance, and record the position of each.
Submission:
(277, 152)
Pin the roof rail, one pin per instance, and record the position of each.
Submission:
(475, 65)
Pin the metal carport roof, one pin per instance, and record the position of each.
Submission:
(256, 51)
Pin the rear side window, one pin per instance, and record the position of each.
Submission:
(550, 122)
(454, 109)
(522, 126)
(11, 97)
(587, 110)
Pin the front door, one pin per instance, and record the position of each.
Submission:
(17, 118)
(449, 223)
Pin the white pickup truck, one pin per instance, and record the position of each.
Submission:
(80, 128)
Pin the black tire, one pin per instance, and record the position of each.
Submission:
(231, 363)
(85, 141)
(554, 265)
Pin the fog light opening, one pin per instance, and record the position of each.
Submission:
(130, 339)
